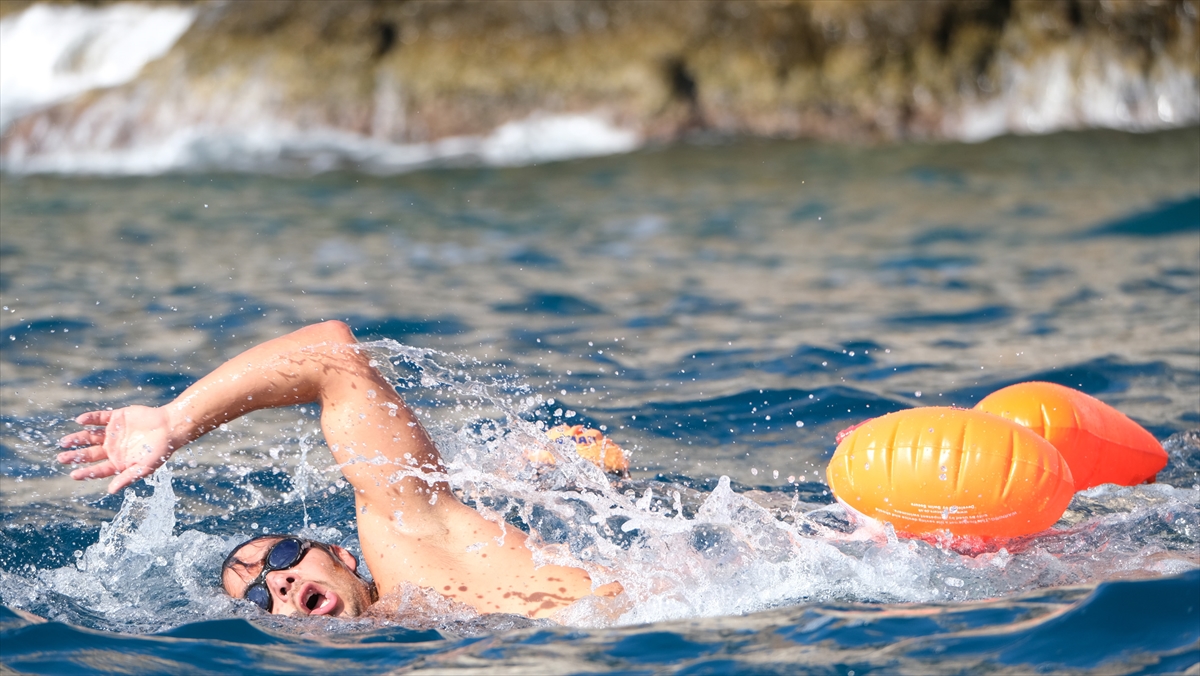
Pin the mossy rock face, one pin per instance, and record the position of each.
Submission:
(414, 72)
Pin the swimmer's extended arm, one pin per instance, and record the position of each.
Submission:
(411, 528)
(366, 424)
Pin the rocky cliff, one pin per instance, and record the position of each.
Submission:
(387, 85)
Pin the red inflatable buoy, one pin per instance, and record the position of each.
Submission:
(1099, 443)
(946, 469)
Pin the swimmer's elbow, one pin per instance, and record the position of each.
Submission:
(333, 331)
(338, 331)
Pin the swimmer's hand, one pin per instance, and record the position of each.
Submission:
(133, 442)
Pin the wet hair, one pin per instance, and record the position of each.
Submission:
(232, 560)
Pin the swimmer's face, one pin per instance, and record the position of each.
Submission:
(322, 582)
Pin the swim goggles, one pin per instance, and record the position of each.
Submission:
(283, 555)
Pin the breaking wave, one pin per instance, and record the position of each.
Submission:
(52, 53)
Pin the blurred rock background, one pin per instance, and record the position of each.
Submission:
(282, 84)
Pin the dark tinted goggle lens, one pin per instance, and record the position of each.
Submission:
(285, 554)
(259, 596)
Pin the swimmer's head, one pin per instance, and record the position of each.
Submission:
(287, 575)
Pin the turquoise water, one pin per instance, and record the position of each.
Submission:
(722, 310)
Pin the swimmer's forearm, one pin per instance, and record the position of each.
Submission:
(380, 444)
(362, 416)
(284, 371)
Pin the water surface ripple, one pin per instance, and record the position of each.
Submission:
(721, 310)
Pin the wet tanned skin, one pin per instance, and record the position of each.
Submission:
(411, 527)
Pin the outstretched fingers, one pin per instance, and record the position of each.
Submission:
(92, 441)
(88, 446)
(127, 477)
(94, 418)
(83, 438)
(81, 455)
(99, 471)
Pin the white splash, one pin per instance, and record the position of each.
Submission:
(139, 575)
(735, 555)
(50, 53)
(729, 553)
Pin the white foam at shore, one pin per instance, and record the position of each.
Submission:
(50, 53)
(1080, 89)
(555, 137)
(280, 147)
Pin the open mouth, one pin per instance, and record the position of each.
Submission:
(315, 601)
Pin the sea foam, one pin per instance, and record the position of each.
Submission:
(50, 53)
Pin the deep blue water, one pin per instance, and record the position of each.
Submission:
(1044, 632)
(721, 310)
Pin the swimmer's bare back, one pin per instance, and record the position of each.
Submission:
(411, 527)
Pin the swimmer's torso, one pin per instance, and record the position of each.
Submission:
(469, 559)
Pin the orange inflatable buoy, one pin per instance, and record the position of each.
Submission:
(946, 469)
(589, 444)
(1099, 443)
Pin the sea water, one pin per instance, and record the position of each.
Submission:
(720, 308)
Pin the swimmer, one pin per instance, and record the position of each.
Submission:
(411, 527)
